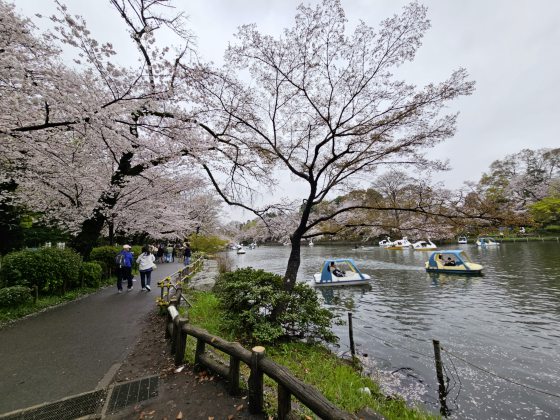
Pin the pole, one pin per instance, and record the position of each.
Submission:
(441, 380)
(351, 335)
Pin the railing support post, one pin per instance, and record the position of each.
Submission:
(233, 387)
(256, 381)
(180, 341)
(284, 402)
(200, 348)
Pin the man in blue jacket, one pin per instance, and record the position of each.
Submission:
(123, 261)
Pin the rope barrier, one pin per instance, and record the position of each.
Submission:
(393, 344)
(512, 381)
(489, 372)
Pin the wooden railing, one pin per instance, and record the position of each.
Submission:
(171, 287)
(178, 329)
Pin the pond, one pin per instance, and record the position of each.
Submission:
(500, 333)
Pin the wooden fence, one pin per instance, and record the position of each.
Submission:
(171, 287)
(178, 329)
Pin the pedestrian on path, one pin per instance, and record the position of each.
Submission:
(160, 254)
(169, 253)
(145, 266)
(187, 254)
(124, 261)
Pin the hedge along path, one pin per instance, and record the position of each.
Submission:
(69, 349)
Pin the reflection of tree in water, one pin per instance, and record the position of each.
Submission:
(343, 297)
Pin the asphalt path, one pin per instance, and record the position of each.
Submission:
(72, 348)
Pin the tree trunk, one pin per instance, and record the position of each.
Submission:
(293, 262)
(92, 227)
(111, 226)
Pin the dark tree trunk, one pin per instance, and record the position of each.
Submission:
(111, 226)
(92, 227)
(294, 262)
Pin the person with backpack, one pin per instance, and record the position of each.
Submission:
(124, 261)
(146, 265)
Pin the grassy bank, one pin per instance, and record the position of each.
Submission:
(340, 382)
(8, 315)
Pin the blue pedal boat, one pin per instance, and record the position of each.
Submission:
(346, 275)
(453, 261)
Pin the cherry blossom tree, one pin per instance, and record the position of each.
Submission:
(322, 104)
(76, 136)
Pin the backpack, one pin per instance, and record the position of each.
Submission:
(119, 259)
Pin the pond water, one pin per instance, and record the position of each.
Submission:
(500, 333)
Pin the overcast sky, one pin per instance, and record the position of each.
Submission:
(511, 48)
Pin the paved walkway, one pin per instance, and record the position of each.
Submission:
(72, 348)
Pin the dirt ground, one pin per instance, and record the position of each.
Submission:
(184, 395)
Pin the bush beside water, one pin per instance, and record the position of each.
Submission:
(257, 308)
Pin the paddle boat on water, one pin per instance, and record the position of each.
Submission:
(241, 250)
(454, 261)
(400, 244)
(462, 240)
(424, 245)
(485, 241)
(385, 243)
(340, 272)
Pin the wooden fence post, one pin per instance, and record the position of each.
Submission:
(233, 375)
(200, 348)
(256, 381)
(180, 341)
(284, 402)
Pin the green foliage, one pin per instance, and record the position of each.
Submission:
(51, 269)
(257, 307)
(14, 296)
(546, 211)
(105, 257)
(553, 228)
(91, 274)
(207, 243)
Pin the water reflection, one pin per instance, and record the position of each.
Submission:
(507, 321)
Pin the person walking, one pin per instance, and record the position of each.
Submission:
(145, 266)
(124, 268)
(187, 254)
(160, 253)
(169, 253)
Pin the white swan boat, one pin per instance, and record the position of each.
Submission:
(400, 244)
(424, 245)
(385, 243)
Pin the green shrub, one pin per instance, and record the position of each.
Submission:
(51, 269)
(14, 296)
(207, 244)
(91, 274)
(257, 307)
(105, 256)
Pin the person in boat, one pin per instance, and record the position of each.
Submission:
(335, 270)
(449, 262)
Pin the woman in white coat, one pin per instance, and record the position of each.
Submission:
(145, 266)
